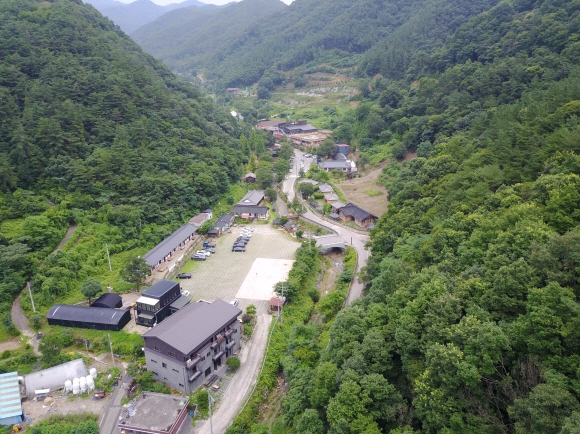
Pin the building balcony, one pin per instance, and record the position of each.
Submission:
(194, 376)
(192, 362)
(218, 341)
(230, 332)
(230, 344)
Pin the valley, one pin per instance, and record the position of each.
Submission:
(430, 147)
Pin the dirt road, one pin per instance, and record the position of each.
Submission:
(18, 317)
(251, 357)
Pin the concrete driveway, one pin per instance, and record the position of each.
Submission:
(241, 385)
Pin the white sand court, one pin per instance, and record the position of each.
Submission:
(264, 274)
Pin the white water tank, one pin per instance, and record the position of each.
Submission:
(83, 384)
(90, 382)
(68, 386)
(76, 388)
(93, 372)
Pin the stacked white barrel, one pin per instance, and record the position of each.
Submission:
(93, 373)
(76, 387)
(68, 386)
(90, 383)
(83, 384)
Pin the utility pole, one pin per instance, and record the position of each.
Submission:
(108, 257)
(87, 347)
(31, 299)
(209, 400)
(111, 346)
(282, 287)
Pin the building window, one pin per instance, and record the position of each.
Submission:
(181, 384)
(165, 378)
(175, 370)
(154, 361)
(154, 373)
(156, 348)
(164, 364)
(208, 371)
(170, 353)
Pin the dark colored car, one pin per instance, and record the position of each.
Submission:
(199, 257)
(244, 239)
(183, 276)
(244, 242)
(210, 249)
(238, 249)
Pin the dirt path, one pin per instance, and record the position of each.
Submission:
(18, 317)
(366, 192)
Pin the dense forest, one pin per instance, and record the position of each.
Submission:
(187, 39)
(471, 319)
(306, 32)
(94, 131)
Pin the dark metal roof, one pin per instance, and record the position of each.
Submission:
(108, 300)
(160, 288)
(95, 315)
(350, 209)
(181, 302)
(157, 253)
(226, 219)
(189, 328)
(250, 209)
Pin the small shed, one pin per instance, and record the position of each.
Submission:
(109, 300)
(276, 303)
(55, 377)
(10, 402)
(250, 177)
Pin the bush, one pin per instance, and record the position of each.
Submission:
(233, 363)
(314, 295)
(247, 318)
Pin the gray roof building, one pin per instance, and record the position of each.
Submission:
(165, 248)
(193, 325)
(99, 318)
(331, 165)
(250, 209)
(357, 213)
(224, 222)
(325, 188)
(330, 197)
(339, 157)
(252, 197)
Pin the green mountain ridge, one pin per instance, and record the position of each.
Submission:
(471, 319)
(96, 132)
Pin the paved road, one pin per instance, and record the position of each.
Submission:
(251, 357)
(108, 423)
(352, 238)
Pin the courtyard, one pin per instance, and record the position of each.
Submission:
(248, 276)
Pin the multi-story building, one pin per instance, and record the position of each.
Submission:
(159, 302)
(190, 345)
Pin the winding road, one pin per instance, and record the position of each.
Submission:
(345, 234)
(18, 318)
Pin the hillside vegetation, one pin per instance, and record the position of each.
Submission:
(187, 39)
(94, 131)
(306, 32)
(471, 320)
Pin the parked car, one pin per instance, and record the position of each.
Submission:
(239, 245)
(246, 234)
(238, 249)
(203, 252)
(208, 244)
(234, 302)
(183, 276)
(199, 257)
(211, 250)
(186, 293)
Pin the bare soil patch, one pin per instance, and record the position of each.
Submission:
(333, 267)
(10, 345)
(354, 191)
(63, 405)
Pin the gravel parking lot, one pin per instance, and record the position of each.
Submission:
(224, 272)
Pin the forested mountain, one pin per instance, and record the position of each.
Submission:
(131, 16)
(103, 132)
(188, 39)
(471, 321)
(314, 31)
